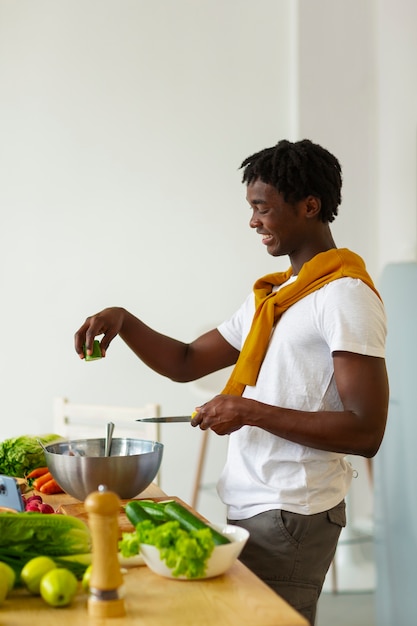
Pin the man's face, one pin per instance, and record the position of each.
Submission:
(280, 223)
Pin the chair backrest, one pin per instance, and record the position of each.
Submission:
(80, 421)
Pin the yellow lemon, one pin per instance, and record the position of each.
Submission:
(86, 579)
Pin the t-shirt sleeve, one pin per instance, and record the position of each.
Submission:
(353, 318)
(236, 328)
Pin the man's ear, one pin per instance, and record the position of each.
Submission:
(313, 206)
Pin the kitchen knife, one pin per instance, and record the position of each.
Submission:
(161, 420)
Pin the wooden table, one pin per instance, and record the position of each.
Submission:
(237, 598)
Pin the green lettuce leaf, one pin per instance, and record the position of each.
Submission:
(129, 545)
(20, 455)
(186, 553)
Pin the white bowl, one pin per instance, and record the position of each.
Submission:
(221, 558)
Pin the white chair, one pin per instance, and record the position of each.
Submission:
(81, 421)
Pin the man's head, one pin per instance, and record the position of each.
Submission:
(298, 170)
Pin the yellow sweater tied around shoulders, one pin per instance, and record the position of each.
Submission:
(270, 305)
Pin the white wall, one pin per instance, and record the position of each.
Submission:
(337, 103)
(358, 96)
(397, 139)
(122, 128)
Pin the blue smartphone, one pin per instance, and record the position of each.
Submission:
(10, 494)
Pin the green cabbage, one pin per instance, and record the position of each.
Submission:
(20, 455)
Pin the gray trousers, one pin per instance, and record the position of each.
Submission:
(292, 553)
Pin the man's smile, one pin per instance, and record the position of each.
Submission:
(266, 238)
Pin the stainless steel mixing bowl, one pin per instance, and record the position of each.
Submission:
(79, 466)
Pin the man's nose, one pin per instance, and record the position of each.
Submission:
(254, 220)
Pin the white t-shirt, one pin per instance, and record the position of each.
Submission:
(264, 471)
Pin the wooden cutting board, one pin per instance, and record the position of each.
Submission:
(77, 509)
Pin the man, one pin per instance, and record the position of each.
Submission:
(309, 384)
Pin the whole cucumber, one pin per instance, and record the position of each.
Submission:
(155, 510)
(188, 521)
(135, 513)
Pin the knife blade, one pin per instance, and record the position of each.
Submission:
(167, 420)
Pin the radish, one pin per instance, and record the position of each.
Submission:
(34, 499)
(46, 508)
(33, 506)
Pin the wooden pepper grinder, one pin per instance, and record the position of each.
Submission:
(105, 599)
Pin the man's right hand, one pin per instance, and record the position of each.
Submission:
(177, 360)
(108, 323)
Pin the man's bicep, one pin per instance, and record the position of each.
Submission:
(211, 352)
(362, 384)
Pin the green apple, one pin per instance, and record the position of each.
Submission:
(86, 579)
(58, 587)
(9, 573)
(34, 570)
(96, 354)
(4, 587)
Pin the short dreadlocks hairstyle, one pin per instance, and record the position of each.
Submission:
(298, 170)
